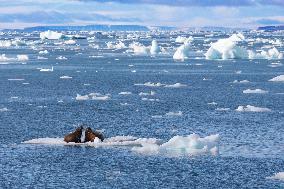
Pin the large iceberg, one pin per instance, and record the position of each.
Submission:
(51, 35)
(227, 48)
(182, 52)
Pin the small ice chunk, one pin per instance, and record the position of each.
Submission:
(250, 108)
(176, 85)
(254, 91)
(178, 113)
(125, 93)
(65, 77)
(279, 78)
(277, 176)
(22, 57)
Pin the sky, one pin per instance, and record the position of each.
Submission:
(177, 13)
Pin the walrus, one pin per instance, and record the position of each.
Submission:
(90, 135)
(75, 136)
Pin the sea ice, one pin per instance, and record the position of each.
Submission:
(254, 91)
(279, 78)
(250, 108)
(277, 176)
(51, 35)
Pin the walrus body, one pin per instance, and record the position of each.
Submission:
(75, 136)
(81, 135)
(90, 135)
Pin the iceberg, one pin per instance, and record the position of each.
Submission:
(155, 49)
(51, 35)
(182, 52)
(227, 48)
(93, 96)
(272, 53)
(22, 57)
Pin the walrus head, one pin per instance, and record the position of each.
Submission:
(90, 135)
(75, 136)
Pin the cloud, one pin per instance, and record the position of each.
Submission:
(209, 3)
(55, 17)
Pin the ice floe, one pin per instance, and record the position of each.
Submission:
(241, 81)
(176, 85)
(279, 78)
(93, 96)
(46, 69)
(51, 35)
(65, 77)
(254, 91)
(182, 52)
(250, 108)
(4, 109)
(43, 52)
(277, 176)
(190, 145)
(125, 93)
(119, 45)
(178, 113)
(22, 57)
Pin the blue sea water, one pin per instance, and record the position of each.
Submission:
(251, 145)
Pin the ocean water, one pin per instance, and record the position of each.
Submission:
(35, 104)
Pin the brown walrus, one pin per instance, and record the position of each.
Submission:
(90, 135)
(75, 136)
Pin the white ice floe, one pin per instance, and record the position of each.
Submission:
(93, 96)
(43, 52)
(150, 99)
(279, 78)
(212, 103)
(277, 176)
(155, 49)
(176, 85)
(119, 45)
(190, 145)
(178, 113)
(22, 57)
(70, 42)
(227, 48)
(254, 91)
(182, 52)
(250, 108)
(181, 39)
(272, 53)
(152, 93)
(61, 58)
(46, 69)
(65, 77)
(51, 35)
(4, 109)
(150, 84)
(241, 81)
(140, 49)
(125, 93)
(222, 109)
(18, 79)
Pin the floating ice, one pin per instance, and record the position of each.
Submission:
(119, 45)
(61, 58)
(65, 77)
(222, 109)
(181, 39)
(182, 52)
(41, 58)
(254, 91)
(272, 53)
(155, 49)
(152, 93)
(51, 35)
(227, 48)
(250, 108)
(178, 113)
(241, 81)
(125, 93)
(279, 78)
(150, 99)
(139, 49)
(43, 52)
(190, 145)
(277, 176)
(93, 96)
(4, 109)
(176, 85)
(5, 43)
(46, 69)
(22, 57)
(4, 58)
(70, 42)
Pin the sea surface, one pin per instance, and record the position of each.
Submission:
(36, 104)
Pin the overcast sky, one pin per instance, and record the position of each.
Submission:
(180, 13)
